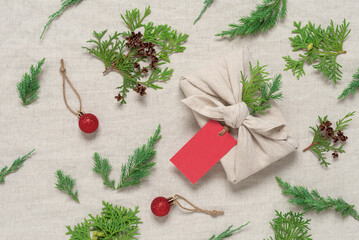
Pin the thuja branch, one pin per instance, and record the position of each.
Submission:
(321, 48)
(313, 201)
(65, 4)
(28, 87)
(291, 226)
(263, 18)
(114, 222)
(138, 57)
(228, 232)
(326, 138)
(14, 166)
(259, 89)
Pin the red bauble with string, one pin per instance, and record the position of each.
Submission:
(88, 123)
(160, 206)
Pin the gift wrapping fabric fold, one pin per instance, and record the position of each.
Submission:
(215, 92)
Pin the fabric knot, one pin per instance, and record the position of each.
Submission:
(235, 115)
(62, 69)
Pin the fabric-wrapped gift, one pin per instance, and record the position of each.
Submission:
(215, 92)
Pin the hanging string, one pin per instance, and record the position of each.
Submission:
(213, 213)
(65, 78)
(225, 129)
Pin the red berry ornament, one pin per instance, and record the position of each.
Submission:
(88, 123)
(161, 206)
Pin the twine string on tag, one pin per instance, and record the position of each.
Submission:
(225, 129)
(213, 213)
(65, 78)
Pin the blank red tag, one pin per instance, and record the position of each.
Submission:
(203, 151)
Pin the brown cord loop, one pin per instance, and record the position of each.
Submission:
(213, 213)
(225, 129)
(65, 78)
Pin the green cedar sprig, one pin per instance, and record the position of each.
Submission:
(259, 90)
(66, 183)
(322, 143)
(322, 48)
(228, 232)
(138, 166)
(103, 167)
(313, 201)
(290, 226)
(126, 60)
(263, 18)
(65, 4)
(353, 86)
(14, 166)
(113, 223)
(29, 86)
(207, 4)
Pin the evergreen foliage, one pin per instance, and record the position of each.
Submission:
(259, 90)
(124, 52)
(263, 18)
(64, 4)
(103, 167)
(228, 232)
(290, 226)
(113, 223)
(14, 166)
(321, 46)
(353, 86)
(66, 183)
(313, 201)
(138, 166)
(207, 4)
(322, 143)
(29, 86)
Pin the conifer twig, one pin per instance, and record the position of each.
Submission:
(321, 48)
(259, 90)
(263, 18)
(290, 226)
(114, 222)
(66, 183)
(138, 57)
(228, 232)
(326, 138)
(313, 201)
(29, 86)
(207, 4)
(353, 86)
(103, 168)
(140, 164)
(65, 4)
(14, 166)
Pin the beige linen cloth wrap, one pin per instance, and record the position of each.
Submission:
(215, 92)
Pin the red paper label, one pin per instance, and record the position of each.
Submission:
(203, 151)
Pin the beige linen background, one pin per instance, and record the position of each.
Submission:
(30, 206)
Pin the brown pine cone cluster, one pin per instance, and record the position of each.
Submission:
(144, 49)
(329, 133)
(140, 89)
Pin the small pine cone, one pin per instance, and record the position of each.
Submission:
(335, 139)
(144, 70)
(119, 97)
(335, 154)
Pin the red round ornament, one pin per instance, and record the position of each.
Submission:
(160, 206)
(88, 123)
